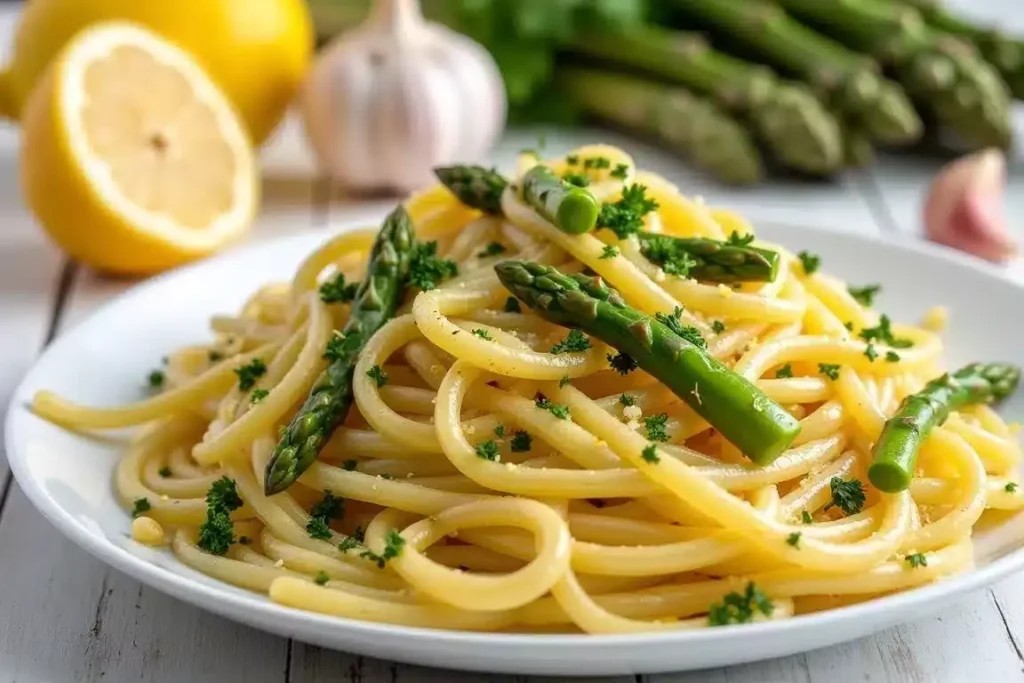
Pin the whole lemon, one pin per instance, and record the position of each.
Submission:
(257, 51)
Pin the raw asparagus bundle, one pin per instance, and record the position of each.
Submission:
(694, 126)
(944, 75)
(744, 415)
(895, 454)
(331, 396)
(868, 102)
(787, 117)
(1005, 53)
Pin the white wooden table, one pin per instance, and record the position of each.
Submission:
(65, 616)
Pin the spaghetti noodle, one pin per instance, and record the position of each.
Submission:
(451, 499)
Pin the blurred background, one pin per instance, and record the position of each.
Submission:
(773, 101)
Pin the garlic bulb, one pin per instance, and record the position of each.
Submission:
(399, 95)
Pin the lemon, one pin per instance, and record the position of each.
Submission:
(257, 51)
(132, 159)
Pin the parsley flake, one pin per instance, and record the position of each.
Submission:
(609, 251)
(392, 549)
(557, 409)
(349, 465)
(483, 334)
(377, 374)
(883, 333)
(492, 249)
(1011, 487)
(575, 341)
(352, 542)
(623, 363)
(336, 291)
(810, 262)
(805, 517)
(597, 163)
(663, 251)
(650, 454)
(689, 333)
(488, 450)
(321, 578)
(426, 270)
(329, 507)
(871, 352)
(626, 216)
(785, 372)
(140, 506)
(738, 240)
(217, 533)
(521, 442)
(258, 395)
(627, 399)
(864, 295)
(718, 327)
(577, 179)
(317, 528)
(249, 373)
(830, 370)
(737, 608)
(564, 382)
(499, 431)
(620, 171)
(916, 560)
(655, 425)
(892, 357)
(794, 539)
(572, 159)
(156, 379)
(165, 471)
(214, 356)
(847, 495)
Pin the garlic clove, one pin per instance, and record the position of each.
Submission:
(964, 207)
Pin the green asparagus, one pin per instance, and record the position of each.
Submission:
(851, 81)
(943, 74)
(895, 454)
(710, 260)
(375, 302)
(744, 415)
(475, 186)
(572, 209)
(696, 127)
(787, 117)
(1003, 52)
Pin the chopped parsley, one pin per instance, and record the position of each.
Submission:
(492, 249)
(217, 533)
(627, 399)
(883, 333)
(626, 216)
(609, 251)
(512, 305)
(737, 608)
(392, 548)
(830, 370)
(848, 325)
(1011, 487)
(738, 240)
(577, 179)
(330, 507)
(785, 372)
(847, 495)
(336, 291)
(892, 357)
(258, 395)
(214, 356)
(350, 465)
(663, 251)
(575, 341)
(623, 363)
(321, 578)
(557, 409)
(564, 382)
(865, 295)
(810, 262)
(597, 163)
(426, 270)
(483, 334)
(249, 373)
(499, 431)
(805, 517)
(165, 471)
(655, 425)
(572, 159)
(521, 442)
(620, 171)
(156, 379)
(352, 542)
(140, 506)
(488, 450)
(916, 560)
(690, 334)
(318, 528)
(794, 539)
(338, 347)
(377, 374)
(871, 352)
(718, 327)
(650, 454)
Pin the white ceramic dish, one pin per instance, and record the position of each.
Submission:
(105, 359)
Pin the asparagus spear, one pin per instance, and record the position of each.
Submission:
(375, 302)
(851, 81)
(895, 453)
(744, 415)
(943, 74)
(572, 209)
(1003, 52)
(699, 129)
(787, 117)
(475, 186)
(710, 260)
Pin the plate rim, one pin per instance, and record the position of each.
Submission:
(289, 621)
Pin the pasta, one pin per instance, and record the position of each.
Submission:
(453, 498)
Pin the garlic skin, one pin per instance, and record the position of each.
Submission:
(964, 206)
(387, 102)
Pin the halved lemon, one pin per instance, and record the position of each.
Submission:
(132, 159)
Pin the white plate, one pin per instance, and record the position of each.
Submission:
(105, 360)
